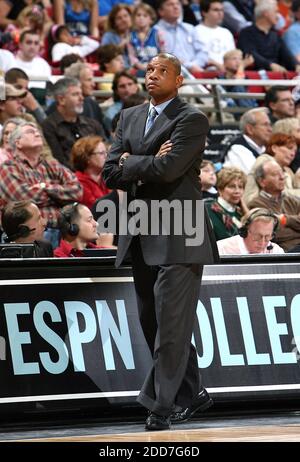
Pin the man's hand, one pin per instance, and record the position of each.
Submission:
(277, 68)
(29, 102)
(164, 149)
(122, 159)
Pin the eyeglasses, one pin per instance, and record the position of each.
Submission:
(260, 237)
(101, 153)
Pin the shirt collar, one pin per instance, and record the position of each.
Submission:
(160, 107)
(226, 205)
(259, 149)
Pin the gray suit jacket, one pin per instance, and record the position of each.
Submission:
(173, 177)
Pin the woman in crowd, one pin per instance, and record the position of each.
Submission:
(118, 30)
(283, 149)
(227, 210)
(88, 157)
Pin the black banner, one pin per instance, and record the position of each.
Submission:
(79, 338)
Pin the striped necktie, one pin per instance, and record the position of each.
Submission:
(151, 118)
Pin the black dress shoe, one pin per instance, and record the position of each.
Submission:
(157, 422)
(202, 402)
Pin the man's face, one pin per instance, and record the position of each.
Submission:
(272, 14)
(259, 235)
(87, 225)
(30, 138)
(261, 131)
(72, 100)
(30, 46)
(12, 106)
(37, 223)
(126, 87)
(284, 106)
(215, 15)
(170, 11)
(87, 81)
(273, 182)
(162, 80)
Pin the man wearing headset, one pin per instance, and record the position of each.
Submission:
(78, 230)
(23, 223)
(258, 228)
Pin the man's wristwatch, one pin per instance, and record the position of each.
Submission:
(122, 161)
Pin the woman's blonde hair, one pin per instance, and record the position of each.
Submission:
(228, 174)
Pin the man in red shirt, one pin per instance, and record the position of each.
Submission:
(78, 229)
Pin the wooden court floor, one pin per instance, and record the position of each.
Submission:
(265, 433)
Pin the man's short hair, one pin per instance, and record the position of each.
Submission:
(248, 118)
(272, 94)
(172, 59)
(28, 32)
(69, 59)
(261, 7)
(75, 70)
(206, 4)
(13, 74)
(14, 215)
(61, 87)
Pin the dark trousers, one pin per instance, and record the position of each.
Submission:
(167, 297)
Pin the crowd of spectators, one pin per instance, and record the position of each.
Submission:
(54, 133)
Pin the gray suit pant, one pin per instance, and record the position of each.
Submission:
(167, 297)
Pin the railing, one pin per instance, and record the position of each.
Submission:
(208, 94)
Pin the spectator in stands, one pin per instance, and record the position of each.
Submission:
(238, 14)
(67, 60)
(23, 223)
(83, 73)
(208, 180)
(290, 126)
(29, 61)
(29, 176)
(281, 103)
(88, 157)
(111, 61)
(270, 179)
(105, 7)
(66, 124)
(180, 37)
(227, 210)
(78, 229)
(118, 29)
(81, 16)
(256, 130)
(124, 85)
(20, 79)
(282, 148)
(257, 230)
(62, 43)
(234, 66)
(147, 40)
(9, 10)
(213, 39)
(7, 60)
(12, 105)
(263, 42)
(8, 127)
(292, 35)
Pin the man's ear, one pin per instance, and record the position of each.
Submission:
(60, 99)
(179, 81)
